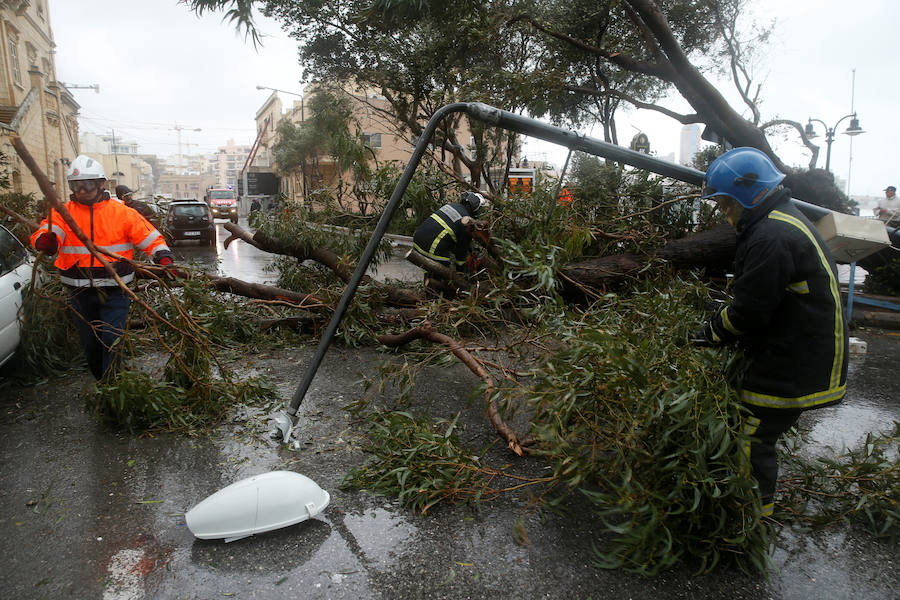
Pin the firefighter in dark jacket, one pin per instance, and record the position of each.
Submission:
(785, 311)
(444, 239)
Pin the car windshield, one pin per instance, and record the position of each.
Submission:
(222, 195)
(190, 210)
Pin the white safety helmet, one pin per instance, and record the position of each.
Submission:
(85, 167)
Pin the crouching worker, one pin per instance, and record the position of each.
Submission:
(785, 311)
(99, 306)
(443, 237)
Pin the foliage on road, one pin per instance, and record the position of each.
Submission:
(857, 485)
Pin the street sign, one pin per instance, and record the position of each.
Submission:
(262, 184)
(641, 143)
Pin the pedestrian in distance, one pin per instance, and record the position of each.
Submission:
(99, 306)
(785, 309)
(889, 207)
(124, 193)
(443, 237)
(255, 205)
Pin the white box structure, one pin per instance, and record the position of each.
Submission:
(851, 238)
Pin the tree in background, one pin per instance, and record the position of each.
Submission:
(572, 62)
(331, 131)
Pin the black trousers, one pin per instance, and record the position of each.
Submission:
(100, 316)
(765, 426)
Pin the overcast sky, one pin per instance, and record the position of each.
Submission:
(160, 67)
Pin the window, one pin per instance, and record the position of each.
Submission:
(189, 210)
(12, 253)
(373, 140)
(14, 58)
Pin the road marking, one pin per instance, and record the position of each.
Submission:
(125, 580)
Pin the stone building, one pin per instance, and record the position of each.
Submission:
(34, 105)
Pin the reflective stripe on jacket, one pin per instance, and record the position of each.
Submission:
(110, 225)
(442, 237)
(786, 310)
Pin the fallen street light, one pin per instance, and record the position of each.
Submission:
(853, 129)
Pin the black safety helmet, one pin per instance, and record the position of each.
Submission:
(122, 191)
(472, 200)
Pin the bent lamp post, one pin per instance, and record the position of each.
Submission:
(285, 421)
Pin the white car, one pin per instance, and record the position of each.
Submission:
(15, 273)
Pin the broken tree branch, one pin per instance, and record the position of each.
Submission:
(426, 331)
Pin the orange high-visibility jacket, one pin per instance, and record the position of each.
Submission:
(110, 225)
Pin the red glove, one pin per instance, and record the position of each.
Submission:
(165, 261)
(47, 243)
(473, 263)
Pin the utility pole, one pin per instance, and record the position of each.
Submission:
(179, 129)
(853, 110)
(115, 155)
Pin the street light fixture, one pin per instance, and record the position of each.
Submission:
(853, 129)
(265, 87)
(302, 101)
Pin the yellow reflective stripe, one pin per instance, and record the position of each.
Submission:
(768, 509)
(446, 227)
(419, 249)
(810, 400)
(800, 287)
(750, 427)
(437, 241)
(727, 322)
(835, 294)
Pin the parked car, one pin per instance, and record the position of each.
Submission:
(15, 273)
(190, 220)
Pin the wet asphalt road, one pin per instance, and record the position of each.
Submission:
(243, 261)
(90, 513)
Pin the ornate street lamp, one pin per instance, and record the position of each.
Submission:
(853, 129)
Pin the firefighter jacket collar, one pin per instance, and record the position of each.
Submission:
(769, 204)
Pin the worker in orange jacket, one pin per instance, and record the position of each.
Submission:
(99, 306)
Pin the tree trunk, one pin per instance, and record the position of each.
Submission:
(711, 249)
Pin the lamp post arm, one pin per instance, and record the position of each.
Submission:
(833, 129)
(811, 120)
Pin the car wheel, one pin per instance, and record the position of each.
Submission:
(211, 241)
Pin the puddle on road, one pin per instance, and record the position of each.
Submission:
(380, 534)
(847, 424)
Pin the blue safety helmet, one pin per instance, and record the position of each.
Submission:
(746, 175)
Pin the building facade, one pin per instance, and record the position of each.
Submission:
(690, 143)
(121, 161)
(184, 187)
(34, 105)
(227, 163)
(371, 113)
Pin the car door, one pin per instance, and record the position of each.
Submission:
(15, 272)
